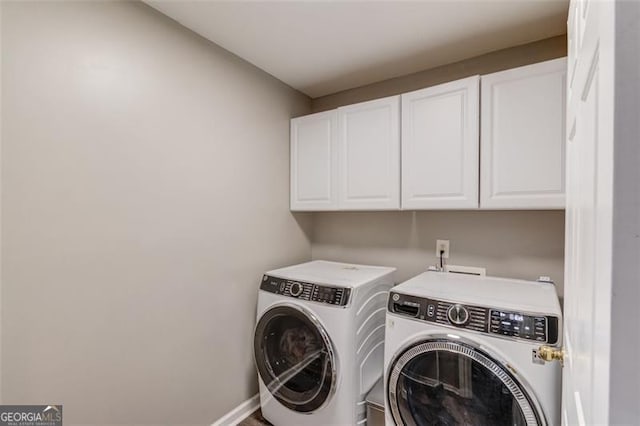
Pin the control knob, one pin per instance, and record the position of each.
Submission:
(295, 289)
(458, 314)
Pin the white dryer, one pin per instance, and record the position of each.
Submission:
(319, 341)
(463, 350)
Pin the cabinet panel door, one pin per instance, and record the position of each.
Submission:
(314, 162)
(522, 137)
(369, 157)
(440, 127)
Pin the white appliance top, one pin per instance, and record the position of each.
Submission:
(506, 293)
(332, 273)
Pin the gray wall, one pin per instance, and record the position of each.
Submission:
(514, 244)
(517, 244)
(543, 50)
(144, 191)
(625, 292)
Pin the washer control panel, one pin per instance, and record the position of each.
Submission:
(511, 324)
(338, 296)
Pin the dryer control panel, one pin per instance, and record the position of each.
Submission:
(338, 296)
(505, 323)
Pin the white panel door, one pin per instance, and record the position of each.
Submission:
(522, 137)
(369, 140)
(588, 228)
(314, 162)
(440, 127)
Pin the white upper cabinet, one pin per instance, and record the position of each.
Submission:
(440, 145)
(490, 142)
(522, 137)
(369, 155)
(314, 162)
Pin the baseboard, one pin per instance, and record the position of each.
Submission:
(241, 412)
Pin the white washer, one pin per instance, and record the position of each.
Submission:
(319, 341)
(463, 350)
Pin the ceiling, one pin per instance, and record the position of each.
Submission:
(322, 47)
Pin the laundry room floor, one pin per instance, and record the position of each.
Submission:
(255, 419)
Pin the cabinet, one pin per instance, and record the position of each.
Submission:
(369, 155)
(347, 159)
(522, 137)
(440, 127)
(314, 162)
(491, 142)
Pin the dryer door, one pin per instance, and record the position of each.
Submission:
(448, 382)
(295, 358)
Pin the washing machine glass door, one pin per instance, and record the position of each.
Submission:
(295, 358)
(446, 382)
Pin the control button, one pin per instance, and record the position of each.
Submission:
(295, 289)
(431, 310)
(458, 314)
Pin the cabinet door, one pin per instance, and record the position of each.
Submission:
(522, 137)
(314, 162)
(440, 140)
(369, 140)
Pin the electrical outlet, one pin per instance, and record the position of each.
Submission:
(442, 245)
